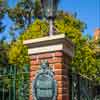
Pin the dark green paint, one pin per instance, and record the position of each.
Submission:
(14, 83)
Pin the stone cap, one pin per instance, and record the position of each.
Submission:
(50, 44)
(46, 40)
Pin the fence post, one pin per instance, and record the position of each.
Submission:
(78, 84)
(9, 93)
(3, 93)
(14, 84)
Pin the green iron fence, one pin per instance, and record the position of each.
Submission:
(81, 88)
(14, 83)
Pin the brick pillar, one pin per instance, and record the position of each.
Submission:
(58, 50)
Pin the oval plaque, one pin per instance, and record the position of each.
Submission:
(44, 85)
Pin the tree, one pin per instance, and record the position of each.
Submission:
(3, 53)
(97, 49)
(17, 53)
(2, 13)
(24, 13)
(84, 60)
(98, 69)
(3, 44)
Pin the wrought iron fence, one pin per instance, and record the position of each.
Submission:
(14, 83)
(81, 88)
(97, 97)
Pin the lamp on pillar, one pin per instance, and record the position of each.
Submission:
(49, 8)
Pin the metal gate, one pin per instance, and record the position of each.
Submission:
(14, 83)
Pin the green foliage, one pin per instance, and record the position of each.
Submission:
(68, 24)
(98, 69)
(84, 61)
(35, 30)
(98, 60)
(17, 54)
(2, 13)
(70, 20)
(24, 11)
(3, 54)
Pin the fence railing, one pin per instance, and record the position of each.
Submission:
(14, 83)
(81, 88)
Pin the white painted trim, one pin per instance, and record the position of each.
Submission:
(50, 48)
(44, 49)
(48, 38)
(50, 44)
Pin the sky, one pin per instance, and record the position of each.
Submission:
(87, 11)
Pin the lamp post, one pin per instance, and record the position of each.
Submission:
(49, 8)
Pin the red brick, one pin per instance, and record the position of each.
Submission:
(62, 90)
(58, 66)
(97, 34)
(62, 84)
(63, 97)
(61, 77)
(45, 55)
(34, 62)
(58, 54)
(33, 73)
(32, 78)
(34, 67)
(30, 97)
(58, 60)
(55, 60)
(60, 71)
(33, 57)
